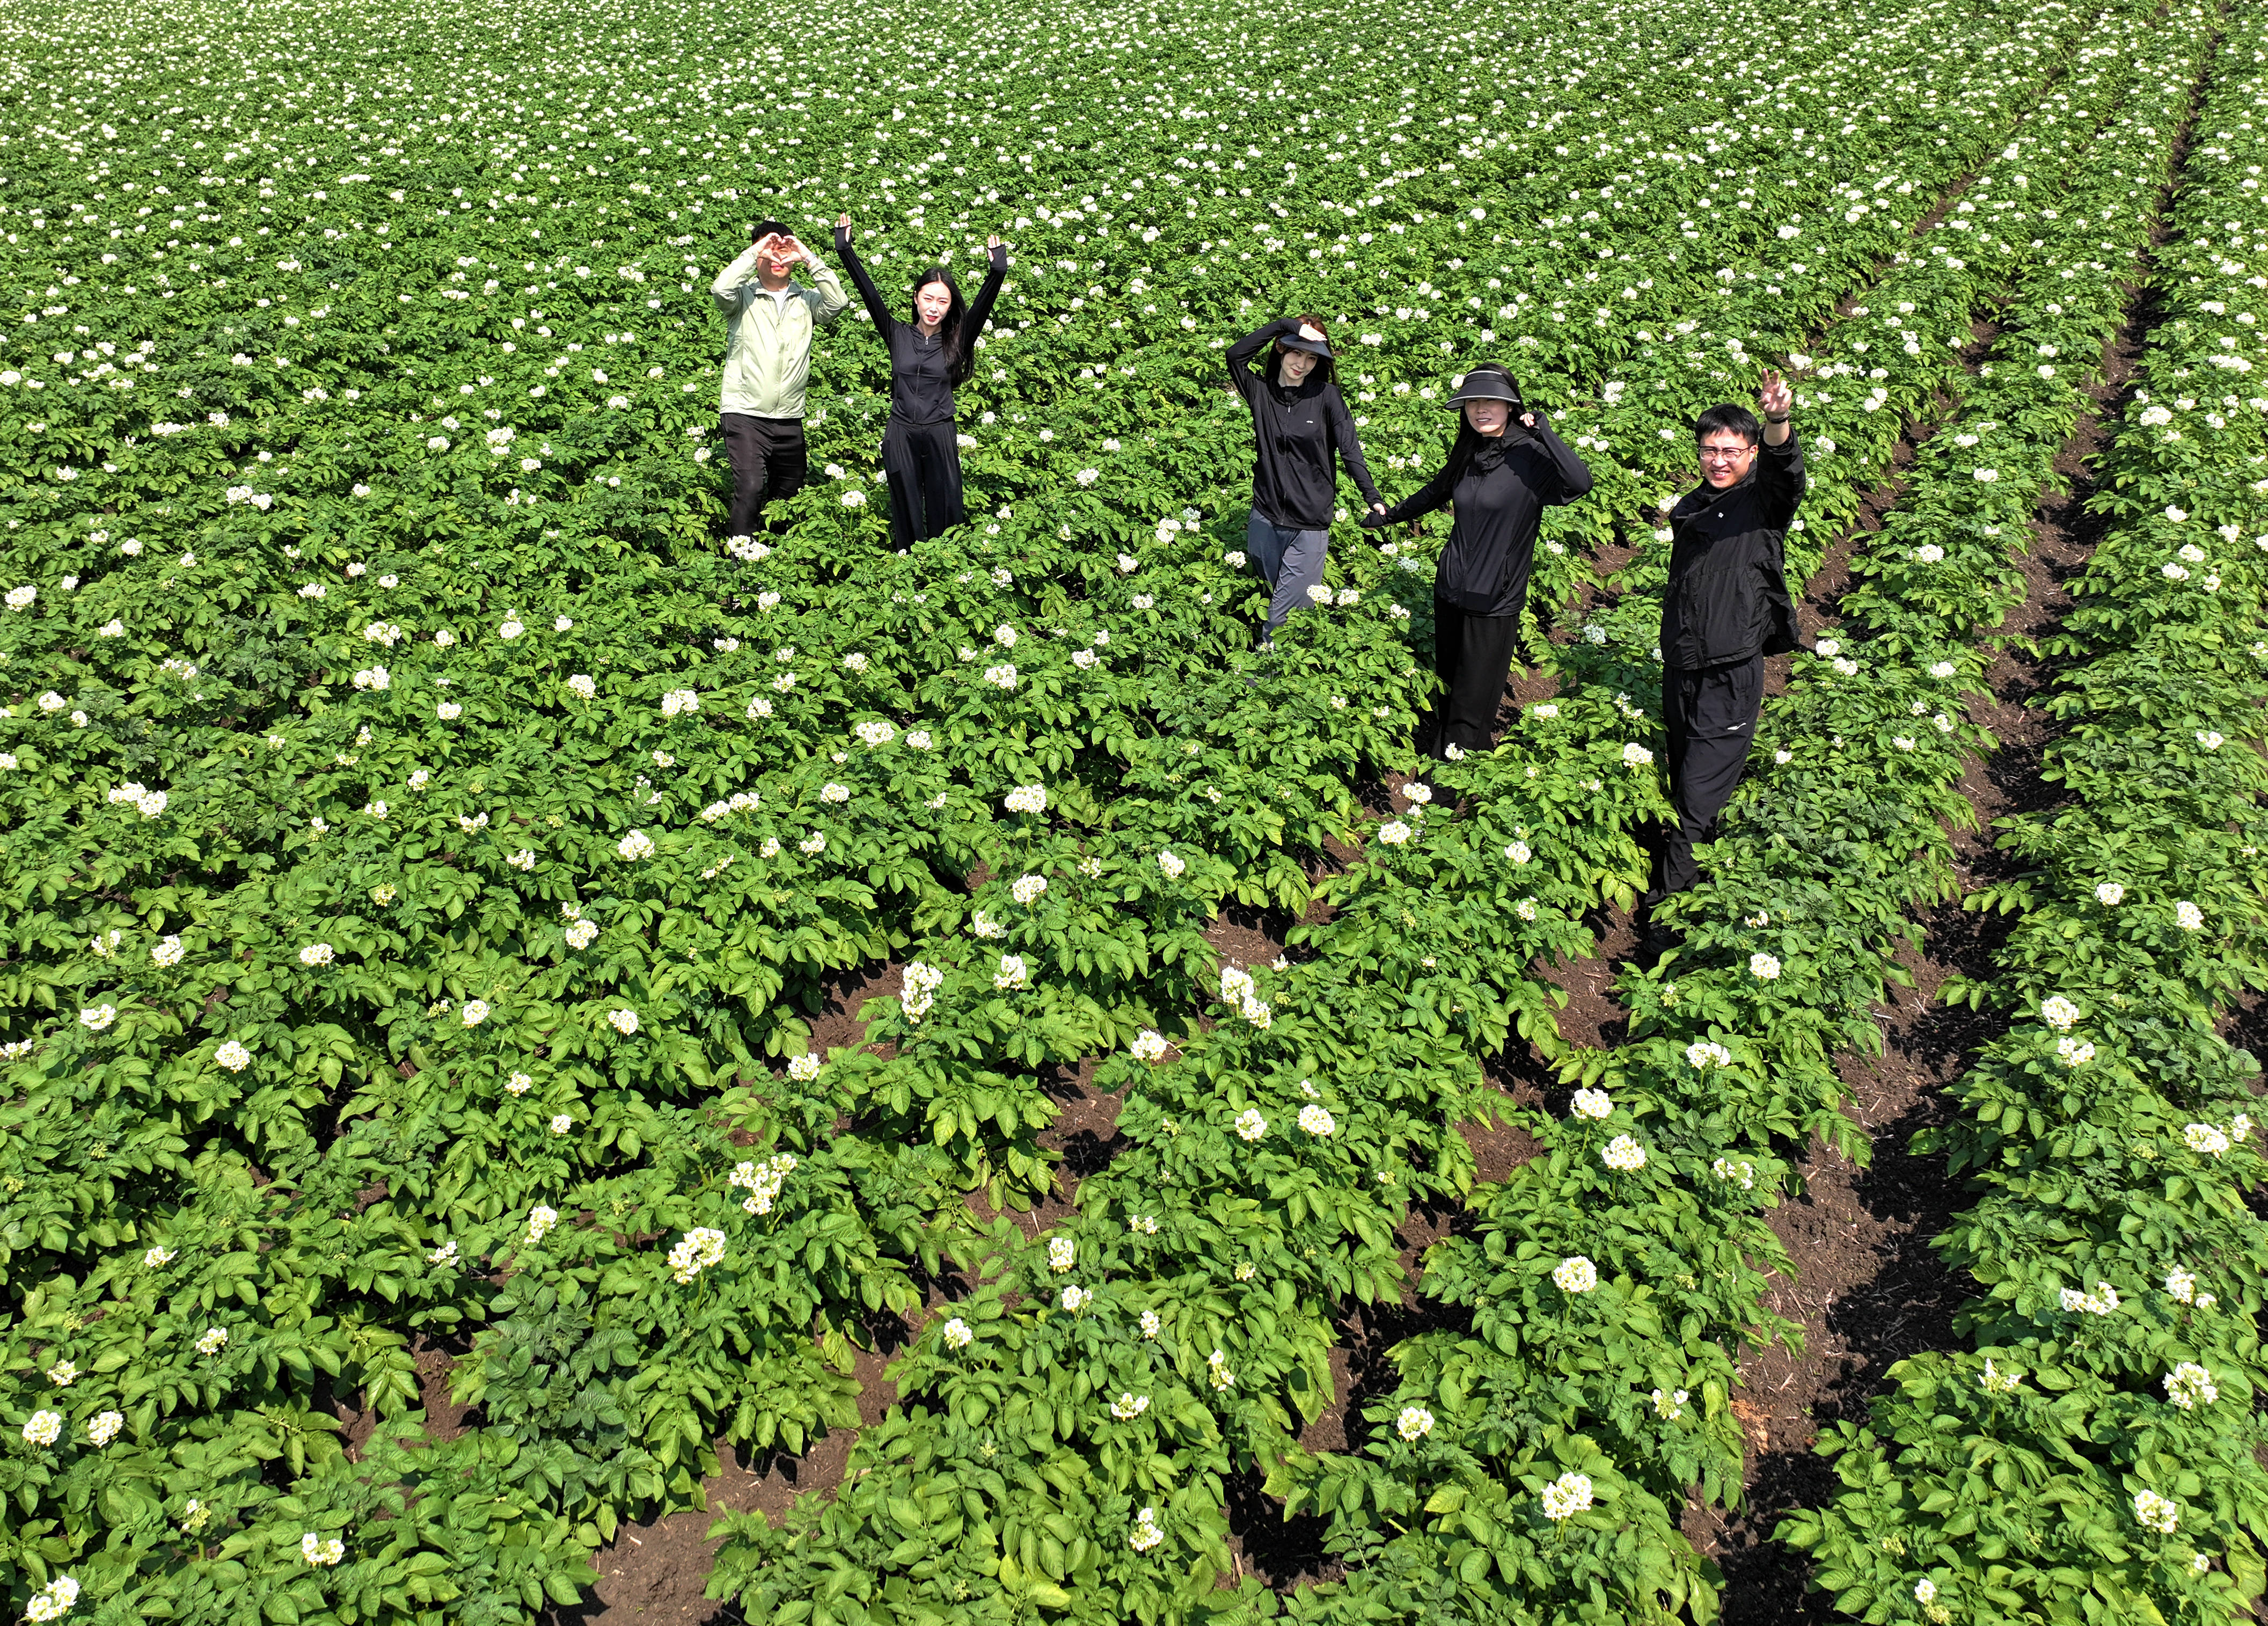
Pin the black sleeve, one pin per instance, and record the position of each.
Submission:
(1432, 495)
(1350, 444)
(1779, 637)
(1780, 480)
(973, 320)
(1574, 473)
(1241, 376)
(868, 295)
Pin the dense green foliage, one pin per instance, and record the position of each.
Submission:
(2096, 1454)
(425, 848)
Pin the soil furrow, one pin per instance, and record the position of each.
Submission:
(1869, 1291)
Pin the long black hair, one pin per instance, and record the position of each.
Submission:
(961, 361)
(1322, 373)
(1469, 440)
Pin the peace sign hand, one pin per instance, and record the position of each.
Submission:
(1774, 396)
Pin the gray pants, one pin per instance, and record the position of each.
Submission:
(1292, 560)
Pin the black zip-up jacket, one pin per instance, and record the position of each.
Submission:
(1295, 433)
(1501, 485)
(1726, 599)
(921, 365)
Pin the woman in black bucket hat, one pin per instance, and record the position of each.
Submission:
(1506, 468)
(1299, 422)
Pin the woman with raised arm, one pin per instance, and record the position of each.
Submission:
(1504, 469)
(1300, 423)
(930, 357)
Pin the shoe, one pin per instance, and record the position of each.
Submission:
(1657, 944)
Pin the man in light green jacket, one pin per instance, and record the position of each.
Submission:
(768, 323)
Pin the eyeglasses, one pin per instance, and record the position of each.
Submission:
(1721, 455)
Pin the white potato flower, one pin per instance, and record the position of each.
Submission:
(1565, 1497)
(1575, 1274)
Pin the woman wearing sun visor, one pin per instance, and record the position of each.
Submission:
(1299, 424)
(1504, 469)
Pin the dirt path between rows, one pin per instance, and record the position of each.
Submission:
(1868, 1293)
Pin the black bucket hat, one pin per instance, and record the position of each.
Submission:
(1314, 347)
(1486, 383)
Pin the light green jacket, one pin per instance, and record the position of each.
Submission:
(768, 340)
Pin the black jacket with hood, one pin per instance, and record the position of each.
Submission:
(1500, 484)
(1726, 598)
(1296, 433)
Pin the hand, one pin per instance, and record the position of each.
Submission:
(763, 245)
(1774, 397)
(1308, 331)
(1528, 420)
(996, 248)
(1371, 519)
(843, 225)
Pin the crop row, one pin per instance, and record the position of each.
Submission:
(1733, 1037)
(407, 992)
(2096, 1446)
(1665, 1203)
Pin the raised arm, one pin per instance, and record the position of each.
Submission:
(832, 300)
(980, 312)
(869, 294)
(1574, 473)
(1241, 376)
(1350, 444)
(726, 289)
(1779, 459)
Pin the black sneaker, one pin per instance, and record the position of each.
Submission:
(1658, 943)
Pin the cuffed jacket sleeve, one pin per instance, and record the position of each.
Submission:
(1426, 498)
(1574, 473)
(1350, 444)
(831, 301)
(868, 295)
(980, 312)
(1241, 378)
(1780, 480)
(726, 289)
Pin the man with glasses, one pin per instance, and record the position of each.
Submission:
(1725, 608)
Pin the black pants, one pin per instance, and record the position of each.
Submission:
(768, 462)
(922, 462)
(1472, 655)
(1710, 715)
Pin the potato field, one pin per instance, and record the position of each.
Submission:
(518, 1007)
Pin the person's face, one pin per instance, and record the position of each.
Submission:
(1488, 418)
(1725, 459)
(931, 303)
(1296, 365)
(777, 256)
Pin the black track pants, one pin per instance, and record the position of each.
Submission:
(922, 462)
(1472, 655)
(769, 464)
(1710, 715)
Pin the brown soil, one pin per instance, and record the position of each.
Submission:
(1869, 1291)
